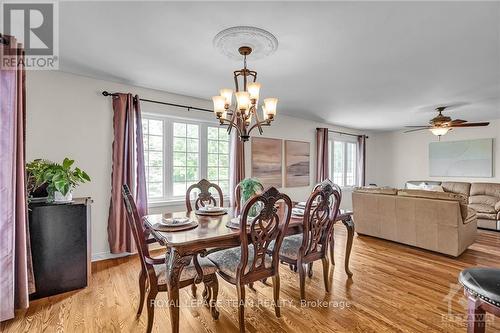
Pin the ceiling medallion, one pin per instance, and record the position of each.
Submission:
(262, 42)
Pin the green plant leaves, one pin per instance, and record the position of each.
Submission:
(67, 163)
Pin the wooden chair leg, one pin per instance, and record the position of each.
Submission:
(214, 286)
(331, 248)
(142, 291)
(276, 294)
(326, 268)
(302, 278)
(475, 317)
(193, 290)
(151, 308)
(241, 307)
(250, 285)
(310, 270)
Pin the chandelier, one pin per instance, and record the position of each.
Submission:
(243, 116)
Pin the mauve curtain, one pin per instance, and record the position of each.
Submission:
(237, 165)
(16, 270)
(361, 160)
(322, 158)
(128, 168)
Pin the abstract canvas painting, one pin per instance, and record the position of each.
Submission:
(469, 158)
(296, 163)
(266, 161)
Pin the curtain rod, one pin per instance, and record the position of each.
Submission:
(344, 133)
(189, 108)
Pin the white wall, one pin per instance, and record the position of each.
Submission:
(68, 116)
(405, 156)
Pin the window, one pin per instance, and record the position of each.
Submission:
(218, 157)
(343, 162)
(179, 153)
(153, 156)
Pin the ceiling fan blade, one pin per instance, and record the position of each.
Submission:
(418, 126)
(417, 129)
(457, 121)
(471, 124)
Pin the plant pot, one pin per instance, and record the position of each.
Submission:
(59, 197)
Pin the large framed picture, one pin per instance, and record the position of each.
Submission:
(266, 161)
(297, 165)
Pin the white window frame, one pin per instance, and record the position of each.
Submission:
(168, 121)
(331, 156)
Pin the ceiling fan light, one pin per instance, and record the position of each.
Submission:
(439, 131)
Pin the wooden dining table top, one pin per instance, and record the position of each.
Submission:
(210, 229)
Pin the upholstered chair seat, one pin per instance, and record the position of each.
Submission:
(290, 246)
(228, 260)
(188, 273)
(483, 283)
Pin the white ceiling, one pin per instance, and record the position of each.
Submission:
(371, 65)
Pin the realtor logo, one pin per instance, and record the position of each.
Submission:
(35, 25)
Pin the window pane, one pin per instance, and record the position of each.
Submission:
(155, 190)
(213, 146)
(192, 145)
(155, 174)
(224, 160)
(223, 136)
(155, 143)
(179, 129)
(155, 127)
(179, 144)
(145, 126)
(179, 174)
(192, 159)
(155, 159)
(223, 173)
(212, 160)
(212, 174)
(192, 131)
(350, 164)
(179, 159)
(192, 174)
(224, 186)
(212, 133)
(223, 146)
(338, 163)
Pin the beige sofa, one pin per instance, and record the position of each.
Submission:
(435, 221)
(484, 198)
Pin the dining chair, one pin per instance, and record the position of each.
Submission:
(154, 270)
(331, 240)
(302, 250)
(237, 194)
(250, 262)
(204, 196)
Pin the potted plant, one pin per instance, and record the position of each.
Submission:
(250, 187)
(59, 179)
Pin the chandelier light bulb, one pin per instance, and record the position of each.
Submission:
(227, 93)
(253, 90)
(243, 99)
(219, 105)
(270, 107)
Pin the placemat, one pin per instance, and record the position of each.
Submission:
(166, 228)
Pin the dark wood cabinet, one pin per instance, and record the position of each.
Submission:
(60, 246)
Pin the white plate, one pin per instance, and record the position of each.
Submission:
(176, 221)
(211, 209)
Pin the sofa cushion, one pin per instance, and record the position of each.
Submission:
(377, 190)
(486, 216)
(482, 208)
(433, 195)
(457, 187)
(484, 200)
(491, 189)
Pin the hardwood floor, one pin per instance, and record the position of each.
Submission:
(395, 288)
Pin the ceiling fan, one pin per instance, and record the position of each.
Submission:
(440, 125)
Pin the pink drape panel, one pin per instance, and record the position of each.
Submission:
(128, 168)
(16, 271)
(237, 165)
(361, 160)
(322, 158)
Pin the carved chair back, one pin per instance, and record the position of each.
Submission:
(134, 221)
(335, 186)
(204, 197)
(237, 194)
(319, 219)
(263, 229)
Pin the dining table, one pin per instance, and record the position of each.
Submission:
(212, 234)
